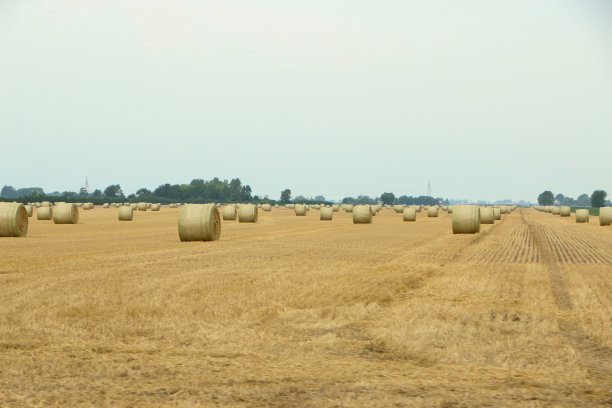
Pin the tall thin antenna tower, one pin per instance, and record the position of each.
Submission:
(429, 188)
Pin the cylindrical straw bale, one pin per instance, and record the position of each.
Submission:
(565, 211)
(44, 213)
(141, 206)
(66, 214)
(432, 211)
(155, 207)
(335, 207)
(134, 206)
(496, 213)
(555, 210)
(487, 215)
(605, 216)
(399, 208)
(126, 213)
(29, 210)
(582, 215)
(466, 219)
(409, 214)
(326, 214)
(149, 206)
(105, 205)
(362, 214)
(349, 208)
(266, 207)
(229, 212)
(248, 213)
(300, 209)
(87, 206)
(199, 222)
(45, 204)
(13, 220)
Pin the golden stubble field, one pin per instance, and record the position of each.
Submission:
(294, 311)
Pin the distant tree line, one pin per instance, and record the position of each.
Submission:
(390, 199)
(596, 199)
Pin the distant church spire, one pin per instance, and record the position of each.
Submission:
(86, 185)
(429, 188)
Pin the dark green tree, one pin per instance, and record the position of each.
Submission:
(8, 191)
(113, 191)
(546, 198)
(246, 193)
(143, 192)
(97, 193)
(387, 198)
(559, 198)
(598, 198)
(285, 196)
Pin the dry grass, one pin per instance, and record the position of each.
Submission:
(293, 311)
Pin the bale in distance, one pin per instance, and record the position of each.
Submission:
(432, 211)
(149, 206)
(582, 215)
(105, 205)
(266, 207)
(13, 220)
(326, 214)
(44, 213)
(155, 207)
(66, 214)
(565, 211)
(141, 206)
(335, 207)
(248, 213)
(362, 214)
(229, 212)
(605, 216)
(126, 213)
(349, 208)
(487, 215)
(555, 211)
(29, 210)
(45, 204)
(496, 213)
(199, 222)
(300, 210)
(466, 219)
(398, 208)
(86, 206)
(409, 214)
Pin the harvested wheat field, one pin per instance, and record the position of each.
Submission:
(293, 311)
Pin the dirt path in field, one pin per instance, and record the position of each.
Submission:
(597, 359)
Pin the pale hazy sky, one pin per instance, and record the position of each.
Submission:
(488, 99)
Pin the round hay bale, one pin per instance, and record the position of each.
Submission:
(487, 215)
(199, 222)
(66, 214)
(13, 220)
(126, 213)
(326, 214)
(248, 213)
(45, 204)
(300, 210)
(29, 210)
(449, 209)
(409, 214)
(349, 208)
(555, 210)
(86, 206)
(155, 207)
(266, 207)
(229, 212)
(134, 206)
(105, 205)
(44, 213)
(605, 216)
(276, 206)
(565, 211)
(149, 206)
(398, 208)
(582, 215)
(496, 213)
(432, 211)
(335, 207)
(362, 214)
(141, 206)
(466, 219)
